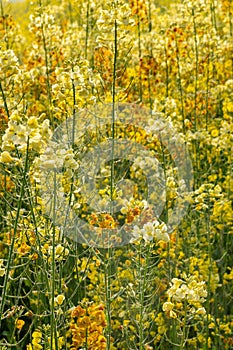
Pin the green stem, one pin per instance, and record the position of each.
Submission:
(183, 340)
(11, 250)
(151, 55)
(149, 17)
(180, 84)
(196, 144)
(213, 16)
(46, 56)
(113, 114)
(231, 33)
(139, 53)
(196, 70)
(167, 72)
(143, 269)
(73, 145)
(6, 37)
(108, 269)
(141, 298)
(209, 277)
(4, 101)
(207, 94)
(108, 276)
(87, 28)
(53, 323)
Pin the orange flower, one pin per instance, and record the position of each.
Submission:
(24, 249)
(78, 312)
(19, 324)
(89, 326)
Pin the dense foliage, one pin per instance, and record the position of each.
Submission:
(153, 287)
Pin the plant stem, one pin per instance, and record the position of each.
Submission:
(180, 84)
(53, 325)
(4, 101)
(140, 297)
(108, 269)
(11, 250)
(139, 52)
(46, 56)
(87, 28)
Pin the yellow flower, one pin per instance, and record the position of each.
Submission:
(228, 276)
(2, 271)
(214, 133)
(60, 252)
(6, 157)
(36, 335)
(32, 122)
(201, 311)
(126, 322)
(59, 299)
(59, 249)
(37, 346)
(172, 314)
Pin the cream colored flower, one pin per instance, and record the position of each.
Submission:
(2, 268)
(168, 306)
(6, 157)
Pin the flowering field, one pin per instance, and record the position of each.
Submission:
(116, 186)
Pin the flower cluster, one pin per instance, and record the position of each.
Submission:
(184, 308)
(149, 231)
(190, 290)
(9, 64)
(23, 135)
(87, 327)
(36, 341)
